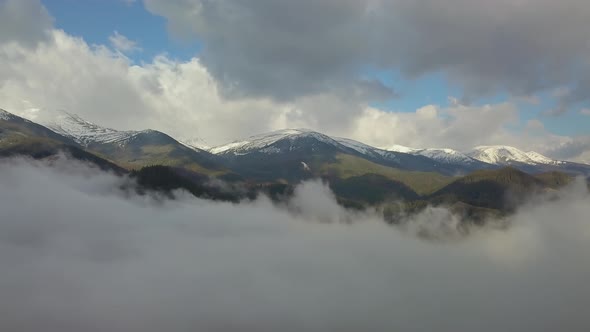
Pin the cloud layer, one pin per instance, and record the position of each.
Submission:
(519, 47)
(77, 255)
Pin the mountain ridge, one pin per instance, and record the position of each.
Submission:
(443, 160)
(360, 175)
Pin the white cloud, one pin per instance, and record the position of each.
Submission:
(573, 148)
(104, 87)
(100, 262)
(184, 99)
(585, 111)
(123, 44)
(457, 126)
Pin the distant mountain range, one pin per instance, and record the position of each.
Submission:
(475, 182)
(441, 160)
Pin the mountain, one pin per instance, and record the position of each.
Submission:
(358, 174)
(531, 161)
(134, 149)
(290, 155)
(296, 146)
(296, 154)
(19, 136)
(502, 189)
(493, 157)
(447, 158)
(507, 155)
(285, 155)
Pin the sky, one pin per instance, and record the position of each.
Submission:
(450, 73)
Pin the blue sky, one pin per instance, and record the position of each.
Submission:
(96, 20)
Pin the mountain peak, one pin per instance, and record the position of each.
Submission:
(262, 142)
(506, 155)
(441, 155)
(85, 132)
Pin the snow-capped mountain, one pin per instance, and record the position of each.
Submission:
(447, 155)
(302, 143)
(284, 154)
(507, 155)
(264, 143)
(442, 155)
(367, 150)
(268, 144)
(131, 148)
(86, 133)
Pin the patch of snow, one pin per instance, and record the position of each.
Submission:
(355, 145)
(85, 133)
(262, 143)
(541, 159)
(365, 149)
(505, 155)
(195, 144)
(305, 166)
(444, 155)
(6, 115)
(401, 148)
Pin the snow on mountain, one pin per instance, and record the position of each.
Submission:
(449, 156)
(506, 155)
(400, 148)
(262, 143)
(195, 144)
(541, 159)
(5, 115)
(443, 155)
(85, 133)
(365, 149)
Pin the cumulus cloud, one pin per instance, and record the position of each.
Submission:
(76, 255)
(102, 86)
(517, 47)
(576, 148)
(459, 126)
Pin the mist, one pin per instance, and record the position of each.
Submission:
(77, 253)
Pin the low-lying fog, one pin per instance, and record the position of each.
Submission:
(78, 255)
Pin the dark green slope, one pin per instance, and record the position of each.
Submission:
(371, 189)
(167, 179)
(152, 147)
(502, 189)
